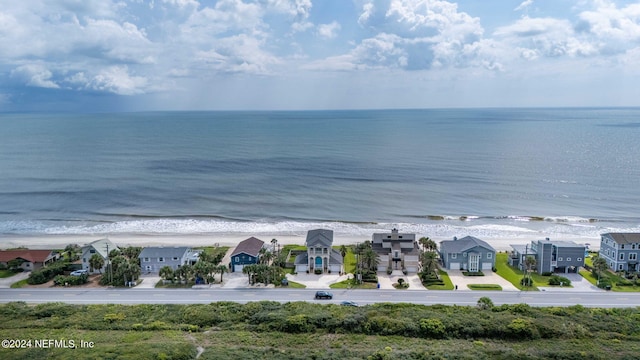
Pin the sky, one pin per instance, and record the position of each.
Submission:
(152, 55)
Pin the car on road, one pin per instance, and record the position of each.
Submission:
(349, 303)
(79, 273)
(324, 295)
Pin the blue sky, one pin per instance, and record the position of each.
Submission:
(129, 55)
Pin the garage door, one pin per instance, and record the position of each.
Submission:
(454, 266)
(486, 266)
(238, 268)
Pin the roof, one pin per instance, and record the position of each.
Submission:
(524, 249)
(250, 246)
(320, 237)
(167, 252)
(394, 235)
(624, 238)
(102, 247)
(464, 244)
(34, 256)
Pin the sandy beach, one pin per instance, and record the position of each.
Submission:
(231, 240)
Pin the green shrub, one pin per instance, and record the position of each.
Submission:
(559, 280)
(433, 328)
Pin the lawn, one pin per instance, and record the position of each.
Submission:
(6, 273)
(613, 278)
(512, 275)
(495, 287)
(19, 284)
(348, 284)
(448, 285)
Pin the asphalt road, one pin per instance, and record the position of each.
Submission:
(363, 297)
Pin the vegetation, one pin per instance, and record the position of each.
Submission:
(270, 330)
(123, 266)
(512, 275)
(443, 283)
(485, 287)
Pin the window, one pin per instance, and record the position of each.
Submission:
(148, 267)
(160, 259)
(84, 259)
(92, 251)
(633, 256)
(633, 246)
(621, 256)
(568, 259)
(464, 254)
(145, 260)
(175, 258)
(237, 258)
(620, 267)
(454, 256)
(489, 256)
(622, 246)
(559, 259)
(579, 259)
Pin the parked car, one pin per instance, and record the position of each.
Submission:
(79, 272)
(324, 295)
(349, 303)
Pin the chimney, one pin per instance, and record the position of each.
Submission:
(394, 234)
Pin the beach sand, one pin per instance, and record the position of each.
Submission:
(231, 240)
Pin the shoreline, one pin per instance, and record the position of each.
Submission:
(231, 240)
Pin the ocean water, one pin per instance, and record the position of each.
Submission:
(561, 173)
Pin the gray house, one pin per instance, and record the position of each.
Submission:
(152, 259)
(621, 251)
(101, 247)
(551, 256)
(396, 251)
(319, 254)
(469, 253)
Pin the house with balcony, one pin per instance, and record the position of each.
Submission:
(621, 251)
(319, 255)
(469, 253)
(551, 256)
(396, 251)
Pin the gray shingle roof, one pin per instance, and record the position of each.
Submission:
(161, 251)
(625, 238)
(250, 246)
(461, 245)
(321, 237)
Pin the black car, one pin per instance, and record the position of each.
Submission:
(324, 295)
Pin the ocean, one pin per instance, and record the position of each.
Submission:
(508, 173)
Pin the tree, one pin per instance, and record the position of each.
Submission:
(370, 259)
(529, 262)
(343, 251)
(266, 256)
(222, 269)
(485, 303)
(96, 262)
(167, 273)
(429, 264)
(132, 252)
(14, 264)
(599, 266)
(73, 252)
(428, 244)
(274, 244)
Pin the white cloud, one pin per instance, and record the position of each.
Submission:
(117, 80)
(524, 5)
(329, 31)
(36, 75)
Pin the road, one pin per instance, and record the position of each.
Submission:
(204, 296)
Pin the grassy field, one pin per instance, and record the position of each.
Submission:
(512, 275)
(613, 278)
(6, 273)
(299, 330)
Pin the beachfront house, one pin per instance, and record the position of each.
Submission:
(28, 260)
(152, 259)
(396, 251)
(101, 247)
(246, 253)
(469, 253)
(319, 257)
(621, 251)
(550, 256)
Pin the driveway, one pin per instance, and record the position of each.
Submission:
(489, 278)
(6, 282)
(313, 281)
(148, 281)
(578, 283)
(386, 281)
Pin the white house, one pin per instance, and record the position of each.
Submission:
(319, 254)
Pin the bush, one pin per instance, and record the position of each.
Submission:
(45, 274)
(475, 273)
(547, 273)
(317, 271)
(559, 280)
(526, 282)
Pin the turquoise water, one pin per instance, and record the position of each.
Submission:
(502, 171)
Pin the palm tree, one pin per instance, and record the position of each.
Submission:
(428, 244)
(529, 262)
(221, 269)
(96, 262)
(167, 273)
(370, 259)
(429, 263)
(274, 243)
(599, 266)
(265, 256)
(343, 251)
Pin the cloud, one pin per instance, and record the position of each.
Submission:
(36, 75)
(328, 31)
(117, 80)
(524, 5)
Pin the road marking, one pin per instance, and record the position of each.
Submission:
(25, 294)
(159, 295)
